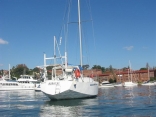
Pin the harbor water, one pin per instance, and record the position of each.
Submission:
(110, 102)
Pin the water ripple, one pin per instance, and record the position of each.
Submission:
(110, 102)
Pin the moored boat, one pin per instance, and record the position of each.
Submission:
(129, 84)
(148, 83)
(118, 85)
(106, 84)
(25, 82)
(71, 84)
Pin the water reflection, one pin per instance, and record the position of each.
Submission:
(70, 108)
(128, 99)
(65, 103)
(61, 108)
(14, 102)
(120, 101)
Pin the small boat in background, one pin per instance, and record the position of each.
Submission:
(148, 83)
(37, 87)
(130, 84)
(118, 85)
(25, 82)
(106, 84)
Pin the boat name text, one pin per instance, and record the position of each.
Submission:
(92, 84)
(53, 83)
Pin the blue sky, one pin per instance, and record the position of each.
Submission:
(123, 30)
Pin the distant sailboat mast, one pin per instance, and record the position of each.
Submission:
(130, 71)
(9, 71)
(148, 73)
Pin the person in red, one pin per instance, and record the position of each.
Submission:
(77, 73)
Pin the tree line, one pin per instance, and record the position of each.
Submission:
(22, 69)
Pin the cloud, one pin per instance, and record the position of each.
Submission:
(3, 41)
(129, 48)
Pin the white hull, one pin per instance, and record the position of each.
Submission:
(129, 84)
(14, 88)
(19, 87)
(7, 88)
(12, 85)
(37, 87)
(106, 86)
(57, 90)
(148, 84)
(118, 85)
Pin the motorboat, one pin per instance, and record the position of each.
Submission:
(106, 84)
(25, 82)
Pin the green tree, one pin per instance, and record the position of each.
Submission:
(49, 69)
(20, 69)
(111, 80)
(36, 69)
(96, 67)
(103, 69)
(143, 68)
(1, 72)
(125, 68)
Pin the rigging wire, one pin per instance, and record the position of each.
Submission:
(65, 27)
(89, 8)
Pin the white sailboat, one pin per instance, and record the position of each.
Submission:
(148, 83)
(71, 84)
(129, 83)
(120, 84)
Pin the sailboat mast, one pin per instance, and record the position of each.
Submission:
(54, 51)
(80, 35)
(148, 73)
(9, 71)
(130, 71)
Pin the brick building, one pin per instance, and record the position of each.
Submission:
(122, 76)
(119, 75)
